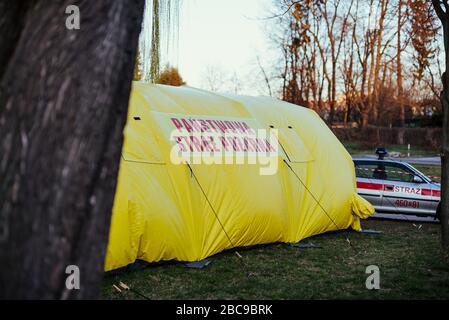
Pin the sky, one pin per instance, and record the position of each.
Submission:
(225, 36)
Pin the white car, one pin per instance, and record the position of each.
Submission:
(397, 187)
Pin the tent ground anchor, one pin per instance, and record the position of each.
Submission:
(198, 264)
(303, 245)
(368, 231)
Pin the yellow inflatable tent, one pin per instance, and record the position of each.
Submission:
(202, 172)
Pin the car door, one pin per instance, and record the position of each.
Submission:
(430, 190)
(369, 187)
(403, 194)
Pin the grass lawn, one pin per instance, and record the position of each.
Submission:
(357, 148)
(412, 266)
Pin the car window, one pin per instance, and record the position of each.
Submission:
(383, 171)
(398, 173)
(365, 170)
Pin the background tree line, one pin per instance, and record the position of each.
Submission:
(361, 61)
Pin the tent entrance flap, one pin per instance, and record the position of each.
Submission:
(293, 146)
(141, 144)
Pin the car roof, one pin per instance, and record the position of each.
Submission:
(377, 160)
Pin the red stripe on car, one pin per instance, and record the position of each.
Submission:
(368, 185)
(436, 193)
(430, 192)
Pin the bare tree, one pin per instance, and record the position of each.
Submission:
(400, 85)
(336, 34)
(265, 76)
(356, 49)
(423, 32)
(214, 78)
(379, 33)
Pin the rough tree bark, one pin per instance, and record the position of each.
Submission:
(442, 10)
(11, 24)
(63, 104)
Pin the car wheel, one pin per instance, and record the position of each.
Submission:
(437, 216)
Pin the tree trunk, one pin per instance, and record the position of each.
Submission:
(365, 118)
(444, 209)
(378, 60)
(399, 68)
(348, 110)
(11, 24)
(63, 105)
(333, 97)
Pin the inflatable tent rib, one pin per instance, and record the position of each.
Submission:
(169, 207)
